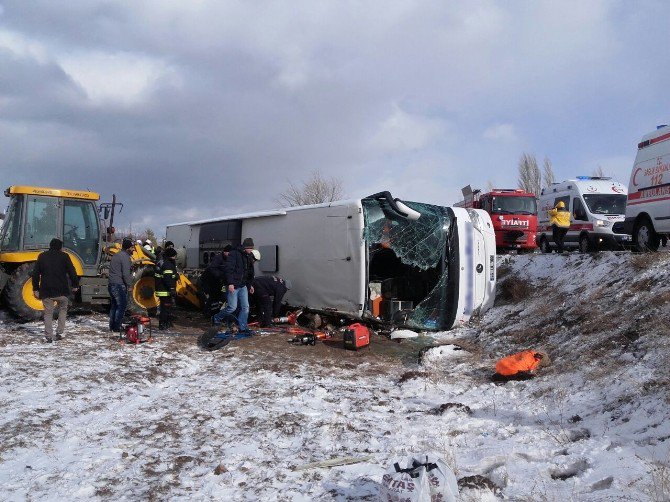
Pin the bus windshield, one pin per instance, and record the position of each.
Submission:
(605, 203)
(407, 264)
(513, 205)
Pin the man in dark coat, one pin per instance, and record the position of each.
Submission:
(268, 293)
(54, 279)
(120, 281)
(239, 273)
(165, 277)
(212, 280)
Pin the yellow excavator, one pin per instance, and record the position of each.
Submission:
(36, 215)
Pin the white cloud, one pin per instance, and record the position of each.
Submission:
(402, 131)
(22, 46)
(501, 132)
(122, 78)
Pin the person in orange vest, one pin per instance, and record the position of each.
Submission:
(521, 365)
(559, 219)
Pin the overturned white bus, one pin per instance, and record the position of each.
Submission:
(407, 263)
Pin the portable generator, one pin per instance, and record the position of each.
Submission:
(137, 330)
(356, 336)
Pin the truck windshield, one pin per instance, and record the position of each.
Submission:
(605, 203)
(81, 232)
(513, 205)
(406, 265)
(11, 231)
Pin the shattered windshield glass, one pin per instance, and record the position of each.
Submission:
(407, 263)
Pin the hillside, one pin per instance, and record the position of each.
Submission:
(88, 418)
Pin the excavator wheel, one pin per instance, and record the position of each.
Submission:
(141, 297)
(18, 294)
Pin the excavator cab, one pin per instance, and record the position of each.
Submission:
(35, 216)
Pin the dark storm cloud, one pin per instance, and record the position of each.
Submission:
(224, 137)
(190, 110)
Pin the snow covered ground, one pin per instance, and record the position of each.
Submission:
(88, 418)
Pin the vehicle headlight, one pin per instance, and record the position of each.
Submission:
(603, 223)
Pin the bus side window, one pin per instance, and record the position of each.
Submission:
(578, 211)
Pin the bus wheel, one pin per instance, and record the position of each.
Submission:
(584, 244)
(544, 245)
(646, 239)
(19, 294)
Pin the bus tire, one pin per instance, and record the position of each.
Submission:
(18, 294)
(645, 237)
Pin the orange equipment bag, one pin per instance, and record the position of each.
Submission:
(525, 361)
(356, 336)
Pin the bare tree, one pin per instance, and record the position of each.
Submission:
(548, 172)
(149, 234)
(598, 172)
(315, 190)
(530, 178)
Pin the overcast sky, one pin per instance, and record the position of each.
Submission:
(192, 109)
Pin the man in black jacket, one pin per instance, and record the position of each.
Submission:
(239, 273)
(268, 293)
(212, 280)
(165, 277)
(50, 284)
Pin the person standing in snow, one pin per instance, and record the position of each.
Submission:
(559, 219)
(212, 279)
(165, 277)
(239, 274)
(54, 279)
(120, 280)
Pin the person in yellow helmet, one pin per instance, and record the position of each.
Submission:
(559, 219)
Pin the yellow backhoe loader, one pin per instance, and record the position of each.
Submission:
(36, 215)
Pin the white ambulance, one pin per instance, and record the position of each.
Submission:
(596, 205)
(648, 208)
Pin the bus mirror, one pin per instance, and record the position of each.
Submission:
(106, 213)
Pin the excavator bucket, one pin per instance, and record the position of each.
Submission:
(186, 290)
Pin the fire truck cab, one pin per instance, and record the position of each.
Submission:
(513, 212)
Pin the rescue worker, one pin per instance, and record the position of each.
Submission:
(159, 249)
(212, 279)
(268, 293)
(238, 276)
(149, 246)
(166, 276)
(559, 219)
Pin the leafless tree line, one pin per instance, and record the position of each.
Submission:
(531, 179)
(314, 190)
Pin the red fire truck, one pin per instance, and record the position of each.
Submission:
(513, 213)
